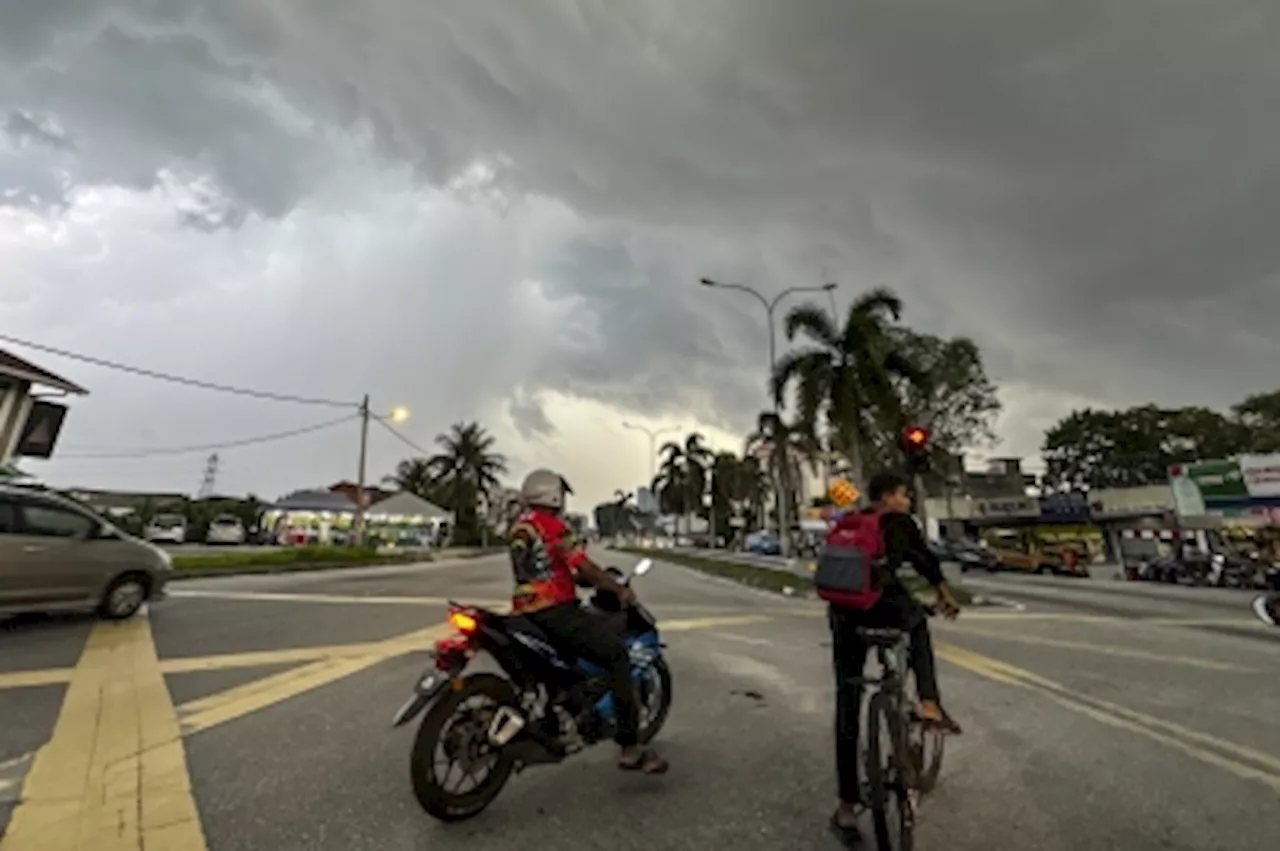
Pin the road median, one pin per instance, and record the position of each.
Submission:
(291, 559)
(775, 579)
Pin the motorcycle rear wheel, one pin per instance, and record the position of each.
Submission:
(430, 789)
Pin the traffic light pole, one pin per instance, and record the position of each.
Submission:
(922, 511)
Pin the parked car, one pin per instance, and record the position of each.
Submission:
(763, 543)
(57, 555)
(166, 529)
(225, 529)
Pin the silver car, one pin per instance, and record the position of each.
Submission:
(55, 555)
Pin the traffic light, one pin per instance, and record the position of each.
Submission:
(915, 449)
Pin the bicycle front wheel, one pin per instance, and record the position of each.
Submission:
(889, 795)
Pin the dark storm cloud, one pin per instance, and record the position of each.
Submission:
(1088, 188)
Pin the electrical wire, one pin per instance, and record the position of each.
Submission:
(177, 379)
(183, 450)
(406, 441)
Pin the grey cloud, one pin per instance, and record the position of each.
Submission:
(1068, 183)
(529, 416)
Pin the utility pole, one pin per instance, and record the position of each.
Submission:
(784, 526)
(209, 483)
(364, 452)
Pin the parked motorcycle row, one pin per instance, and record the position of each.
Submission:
(1220, 570)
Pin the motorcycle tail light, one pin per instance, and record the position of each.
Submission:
(452, 652)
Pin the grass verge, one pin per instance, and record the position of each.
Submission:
(776, 580)
(287, 559)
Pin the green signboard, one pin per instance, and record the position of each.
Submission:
(1215, 479)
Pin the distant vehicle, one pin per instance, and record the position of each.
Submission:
(56, 555)
(968, 554)
(166, 529)
(225, 529)
(763, 543)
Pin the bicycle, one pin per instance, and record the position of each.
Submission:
(896, 776)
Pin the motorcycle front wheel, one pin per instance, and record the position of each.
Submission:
(655, 700)
(455, 734)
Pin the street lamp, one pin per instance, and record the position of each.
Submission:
(398, 414)
(769, 308)
(654, 434)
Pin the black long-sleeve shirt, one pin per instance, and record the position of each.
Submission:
(904, 543)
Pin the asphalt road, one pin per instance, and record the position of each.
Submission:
(1100, 716)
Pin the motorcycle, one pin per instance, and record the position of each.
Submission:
(541, 710)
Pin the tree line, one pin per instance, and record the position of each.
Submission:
(841, 398)
(1136, 446)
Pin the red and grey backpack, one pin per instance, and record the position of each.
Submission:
(849, 565)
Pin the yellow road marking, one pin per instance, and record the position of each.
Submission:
(114, 774)
(1104, 650)
(27, 679)
(203, 713)
(1164, 732)
(212, 710)
(711, 623)
(344, 599)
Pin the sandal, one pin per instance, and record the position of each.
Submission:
(848, 834)
(648, 762)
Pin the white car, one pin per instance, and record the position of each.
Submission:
(225, 529)
(166, 529)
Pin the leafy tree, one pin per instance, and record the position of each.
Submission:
(1260, 414)
(950, 395)
(852, 373)
(1135, 447)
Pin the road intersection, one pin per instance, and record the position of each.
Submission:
(252, 712)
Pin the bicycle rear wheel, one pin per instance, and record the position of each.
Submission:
(925, 747)
(888, 769)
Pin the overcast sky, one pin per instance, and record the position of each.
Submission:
(498, 211)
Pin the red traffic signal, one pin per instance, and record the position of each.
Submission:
(915, 438)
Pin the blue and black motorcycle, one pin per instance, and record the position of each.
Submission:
(481, 727)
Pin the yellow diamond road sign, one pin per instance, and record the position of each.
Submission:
(843, 493)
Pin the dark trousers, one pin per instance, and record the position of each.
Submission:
(849, 651)
(576, 632)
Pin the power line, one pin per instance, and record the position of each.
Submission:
(177, 379)
(183, 450)
(406, 441)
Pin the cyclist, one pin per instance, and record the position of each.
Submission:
(547, 558)
(896, 608)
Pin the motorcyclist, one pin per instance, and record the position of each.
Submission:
(546, 559)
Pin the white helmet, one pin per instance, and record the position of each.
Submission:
(545, 489)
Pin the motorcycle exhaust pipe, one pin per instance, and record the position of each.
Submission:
(506, 725)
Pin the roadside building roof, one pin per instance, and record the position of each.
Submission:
(12, 366)
(406, 504)
(314, 500)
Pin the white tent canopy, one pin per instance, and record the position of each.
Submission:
(405, 504)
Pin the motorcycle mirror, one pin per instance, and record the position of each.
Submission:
(643, 567)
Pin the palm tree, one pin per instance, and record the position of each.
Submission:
(785, 446)
(850, 373)
(466, 468)
(414, 475)
(682, 476)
